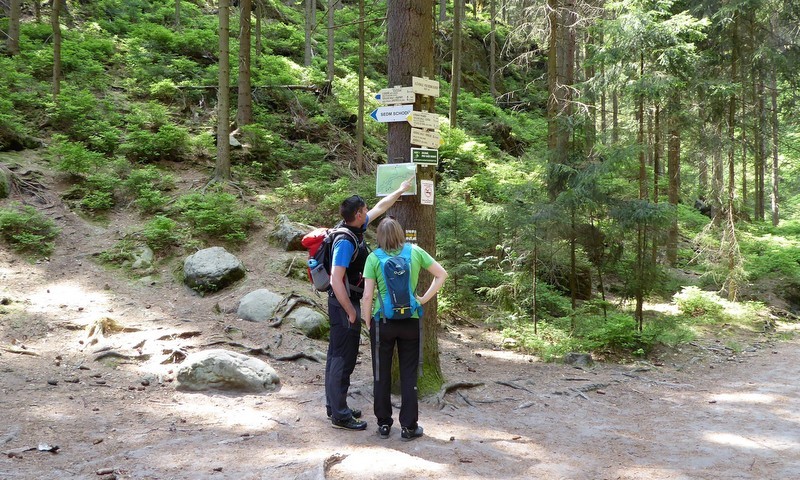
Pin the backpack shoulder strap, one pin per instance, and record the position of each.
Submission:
(339, 232)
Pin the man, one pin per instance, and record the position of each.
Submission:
(344, 309)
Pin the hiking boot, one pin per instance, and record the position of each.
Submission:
(349, 423)
(356, 413)
(408, 433)
(383, 430)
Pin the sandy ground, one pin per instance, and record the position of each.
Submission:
(700, 413)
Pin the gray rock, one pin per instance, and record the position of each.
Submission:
(578, 359)
(287, 234)
(143, 258)
(312, 323)
(211, 269)
(258, 305)
(220, 369)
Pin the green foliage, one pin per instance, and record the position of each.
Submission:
(122, 253)
(161, 233)
(147, 185)
(169, 142)
(98, 192)
(74, 157)
(82, 117)
(27, 231)
(699, 304)
(217, 215)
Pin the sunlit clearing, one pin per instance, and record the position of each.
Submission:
(754, 442)
(227, 415)
(65, 294)
(361, 463)
(505, 355)
(665, 308)
(743, 398)
(469, 146)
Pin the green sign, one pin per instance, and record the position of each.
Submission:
(425, 156)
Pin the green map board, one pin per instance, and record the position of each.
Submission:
(390, 176)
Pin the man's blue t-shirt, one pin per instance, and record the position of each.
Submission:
(343, 250)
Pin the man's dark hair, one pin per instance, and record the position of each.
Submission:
(350, 206)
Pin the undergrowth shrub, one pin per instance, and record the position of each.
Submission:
(169, 142)
(218, 215)
(696, 303)
(27, 231)
(74, 157)
(161, 233)
(147, 185)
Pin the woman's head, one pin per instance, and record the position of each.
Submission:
(390, 234)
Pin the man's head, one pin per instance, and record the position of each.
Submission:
(352, 207)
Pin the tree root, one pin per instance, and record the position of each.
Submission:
(449, 387)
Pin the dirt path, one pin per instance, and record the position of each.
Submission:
(704, 414)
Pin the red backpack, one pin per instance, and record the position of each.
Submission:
(319, 243)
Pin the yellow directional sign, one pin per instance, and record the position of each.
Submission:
(425, 86)
(424, 120)
(425, 138)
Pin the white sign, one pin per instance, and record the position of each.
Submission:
(388, 96)
(426, 192)
(424, 120)
(425, 138)
(395, 113)
(425, 86)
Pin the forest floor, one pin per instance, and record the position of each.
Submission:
(700, 412)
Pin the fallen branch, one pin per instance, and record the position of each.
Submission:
(19, 351)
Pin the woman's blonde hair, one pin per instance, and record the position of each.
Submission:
(390, 234)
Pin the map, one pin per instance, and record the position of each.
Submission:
(390, 176)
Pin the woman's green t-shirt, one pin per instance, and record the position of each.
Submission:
(419, 259)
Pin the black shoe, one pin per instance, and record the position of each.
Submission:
(349, 423)
(383, 430)
(356, 413)
(407, 434)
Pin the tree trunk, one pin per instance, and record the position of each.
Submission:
(702, 163)
(259, 16)
(442, 10)
(674, 175)
(774, 96)
(309, 24)
(331, 24)
(458, 5)
(413, 19)
(245, 93)
(761, 149)
(360, 120)
(177, 15)
(493, 49)
(717, 178)
(12, 42)
(56, 24)
(222, 172)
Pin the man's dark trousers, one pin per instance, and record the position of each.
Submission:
(342, 355)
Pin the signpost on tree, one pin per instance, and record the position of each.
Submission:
(413, 19)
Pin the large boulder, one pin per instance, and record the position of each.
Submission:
(287, 234)
(312, 323)
(211, 269)
(220, 369)
(258, 305)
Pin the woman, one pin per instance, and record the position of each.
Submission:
(405, 333)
